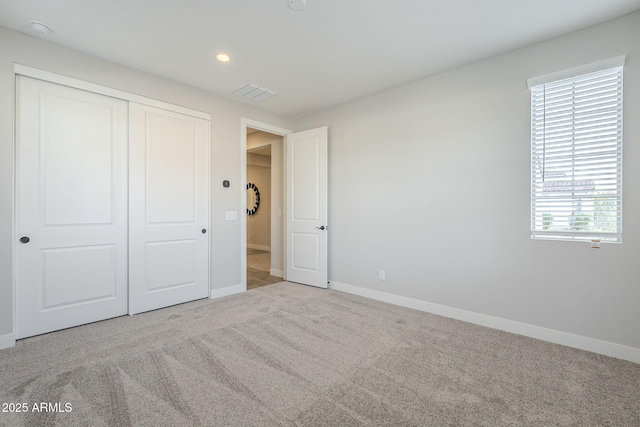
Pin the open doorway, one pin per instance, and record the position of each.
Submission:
(299, 218)
(265, 205)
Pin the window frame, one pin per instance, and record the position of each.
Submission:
(589, 183)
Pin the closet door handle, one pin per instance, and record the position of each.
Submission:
(24, 239)
(204, 230)
(322, 227)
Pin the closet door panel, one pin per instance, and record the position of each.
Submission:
(169, 208)
(171, 169)
(71, 194)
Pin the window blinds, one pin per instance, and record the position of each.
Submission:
(576, 157)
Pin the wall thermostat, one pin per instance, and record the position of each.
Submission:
(225, 184)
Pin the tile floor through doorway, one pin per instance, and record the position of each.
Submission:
(257, 278)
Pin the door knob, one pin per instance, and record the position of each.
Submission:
(24, 239)
(322, 227)
(204, 230)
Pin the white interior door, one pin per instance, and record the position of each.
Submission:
(168, 208)
(71, 198)
(307, 207)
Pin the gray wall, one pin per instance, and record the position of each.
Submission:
(225, 152)
(431, 181)
(259, 224)
(277, 198)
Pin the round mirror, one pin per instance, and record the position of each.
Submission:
(253, 199)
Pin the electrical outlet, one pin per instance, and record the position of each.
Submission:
(382, 275)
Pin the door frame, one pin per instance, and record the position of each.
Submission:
(265, 127)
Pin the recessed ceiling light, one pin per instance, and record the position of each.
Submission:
(223, 57)
(297, 5)
(40, 27)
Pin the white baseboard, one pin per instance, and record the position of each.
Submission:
(606, 348)
(7, 341)
(258, 247)
(277, 273)
(229, 290)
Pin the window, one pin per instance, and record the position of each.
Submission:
(576, 154)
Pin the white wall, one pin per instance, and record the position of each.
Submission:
(259, 224)
(430, 181)
(225, 152)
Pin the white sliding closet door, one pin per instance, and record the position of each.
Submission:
(71, 215)
(168, 208)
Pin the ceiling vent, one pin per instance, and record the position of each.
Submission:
(254, 92)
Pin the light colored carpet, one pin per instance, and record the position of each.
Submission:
(287, 355)
(260, 261)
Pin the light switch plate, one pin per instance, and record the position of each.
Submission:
(231, 215)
